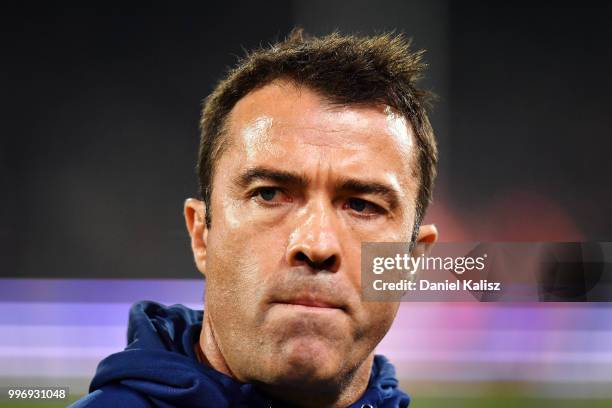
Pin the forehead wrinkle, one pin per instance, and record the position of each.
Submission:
(316, 136)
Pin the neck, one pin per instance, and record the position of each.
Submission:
(210, 354)
(341, 394)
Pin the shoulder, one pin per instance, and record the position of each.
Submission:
(113, 395)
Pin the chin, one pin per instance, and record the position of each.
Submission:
(309, 362)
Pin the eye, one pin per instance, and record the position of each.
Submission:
(363, 207)
(270, 196)
(267, 193)
(357, 204)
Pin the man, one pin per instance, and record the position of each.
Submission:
(309, 148)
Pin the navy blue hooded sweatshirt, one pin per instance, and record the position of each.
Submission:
(159, 368)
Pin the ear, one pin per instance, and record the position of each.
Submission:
(426, 238)
(195, 216)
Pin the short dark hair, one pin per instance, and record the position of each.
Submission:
(346, 69)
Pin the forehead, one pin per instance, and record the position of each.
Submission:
(284, 121)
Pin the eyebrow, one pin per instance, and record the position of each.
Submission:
(261, 173)
(383, 190)
(346, 185)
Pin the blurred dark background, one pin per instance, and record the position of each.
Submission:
(100, 109)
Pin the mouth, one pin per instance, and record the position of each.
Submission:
(310, 303)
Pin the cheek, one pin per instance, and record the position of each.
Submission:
(227, 215)
(254, 236)
(231, 284)
(378, 317)
(230, 266)
(240, 254)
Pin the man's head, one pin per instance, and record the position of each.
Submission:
(308, 148)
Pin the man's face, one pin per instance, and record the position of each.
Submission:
(300, 186)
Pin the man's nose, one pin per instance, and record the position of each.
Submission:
(315, 239)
